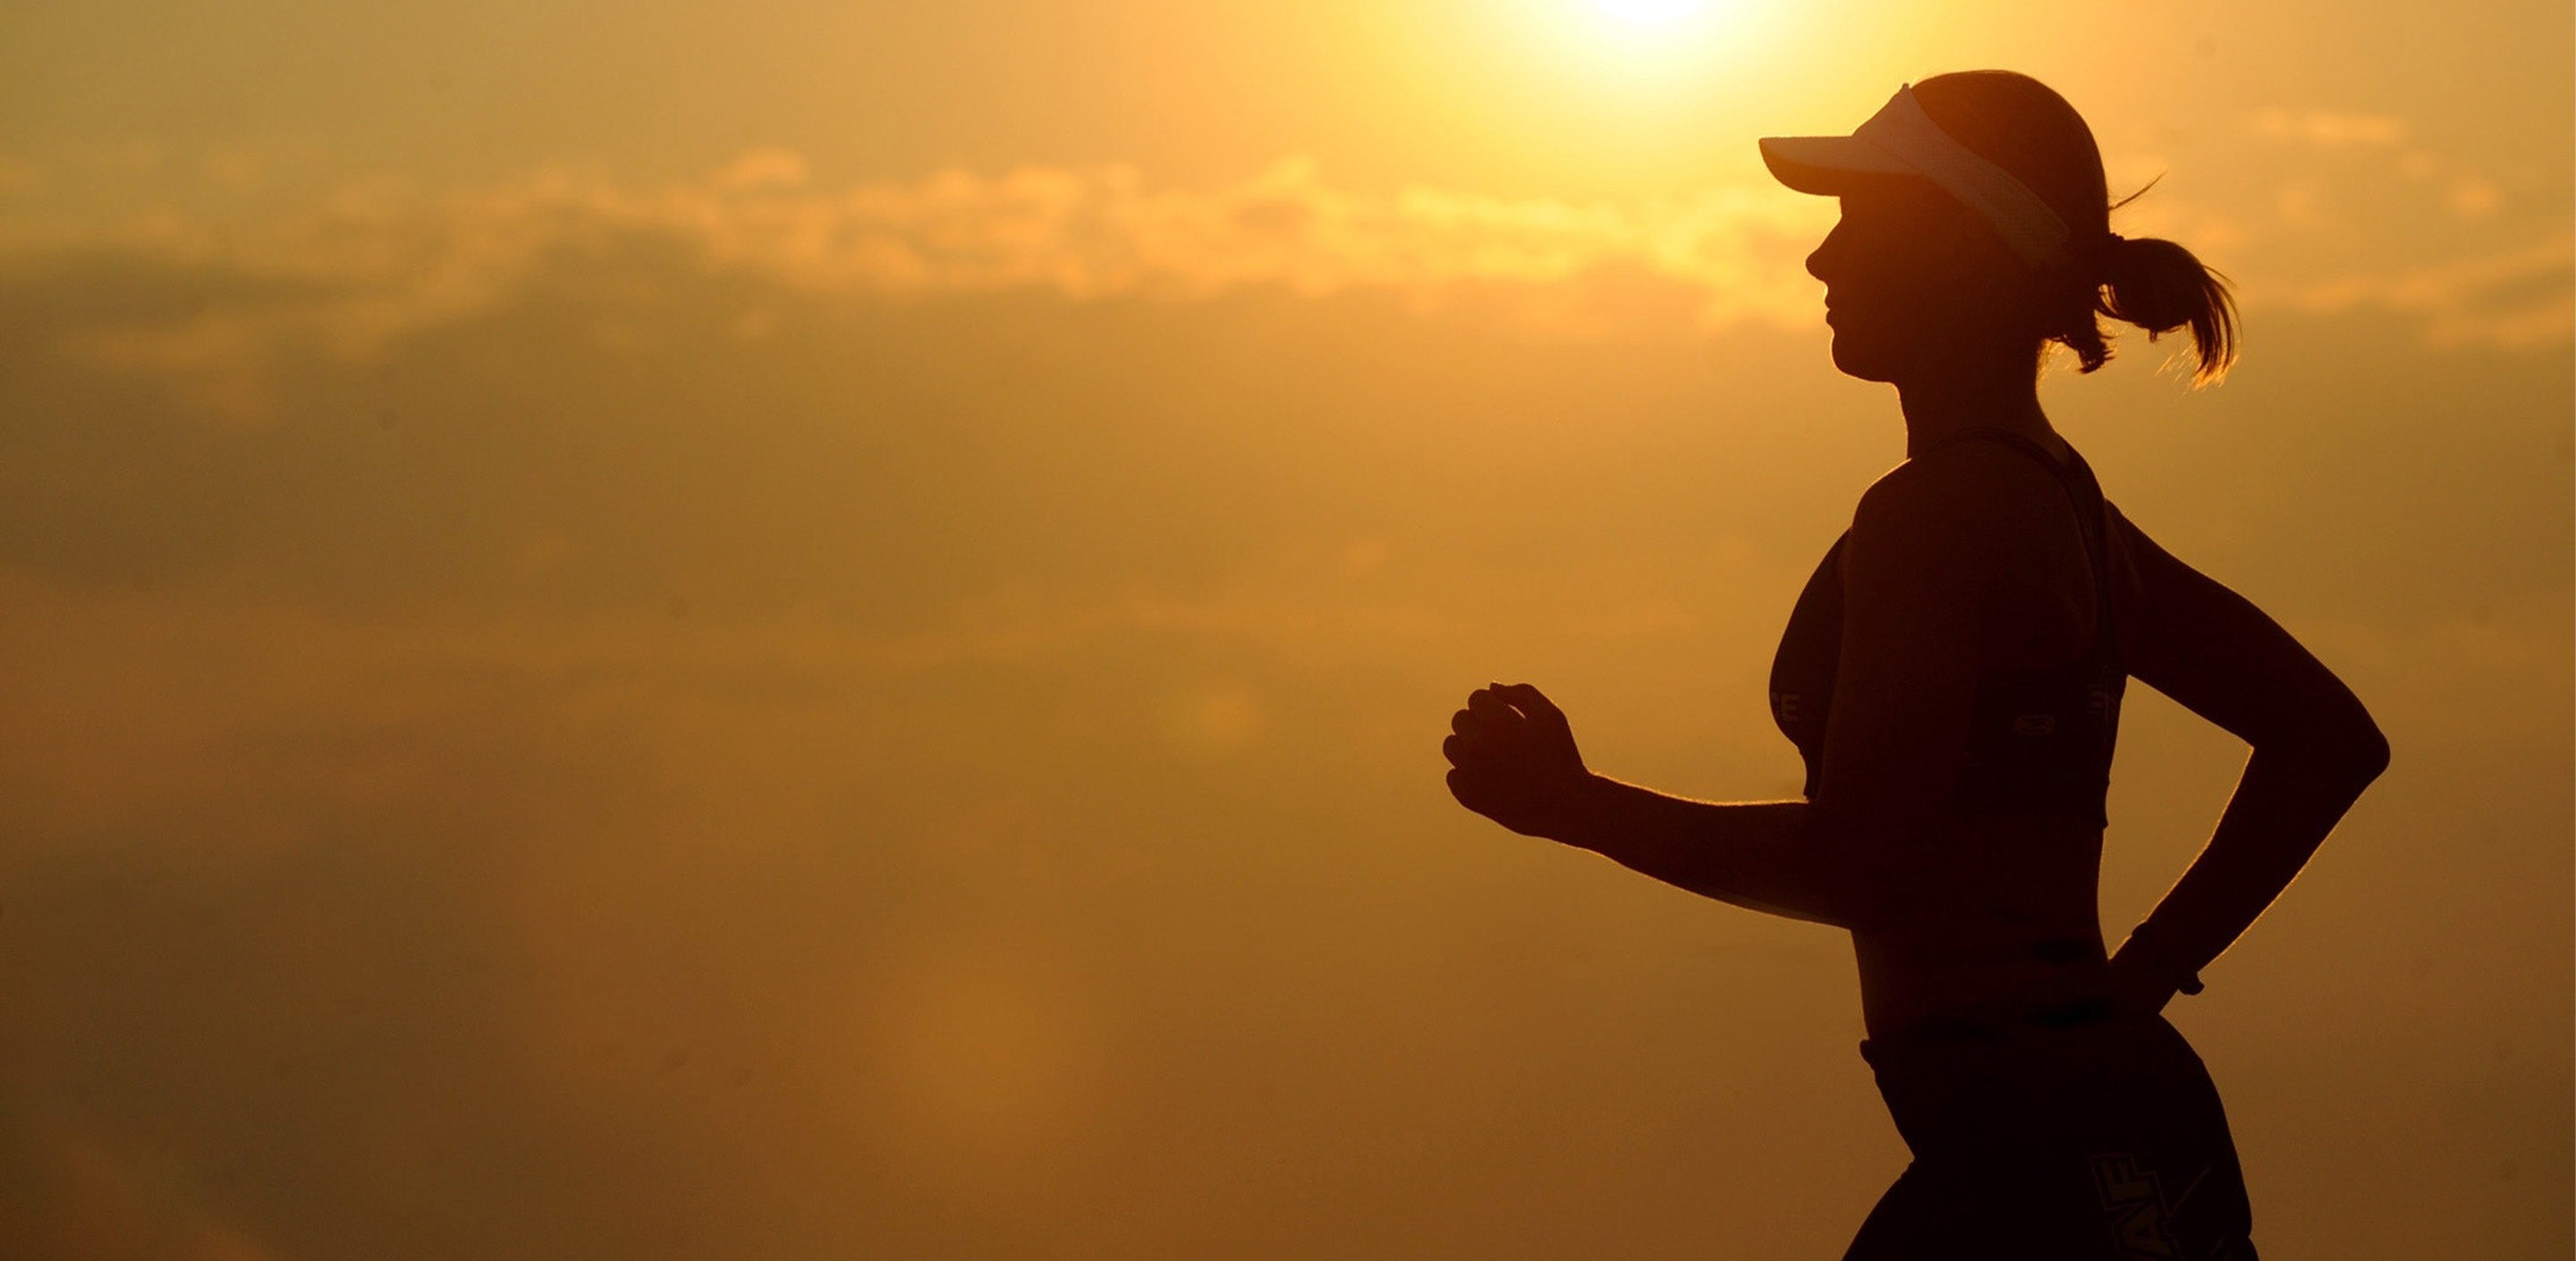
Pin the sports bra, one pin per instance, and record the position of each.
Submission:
(2041, 740)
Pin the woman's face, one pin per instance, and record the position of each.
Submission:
(1912, 280)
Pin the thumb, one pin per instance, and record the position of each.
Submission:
(1530, 702)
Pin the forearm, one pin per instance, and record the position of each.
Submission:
(2283, 808)
(1779, 857)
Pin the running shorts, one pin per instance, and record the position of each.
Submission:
(2100, 1139)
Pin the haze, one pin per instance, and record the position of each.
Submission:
(794, 630)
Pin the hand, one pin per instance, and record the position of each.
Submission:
(1513, 760)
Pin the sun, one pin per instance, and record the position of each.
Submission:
(1645, 51)
(1636, 33)
(1652, 15)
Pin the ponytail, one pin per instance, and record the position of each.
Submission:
(2159, 286)
(2155, 284)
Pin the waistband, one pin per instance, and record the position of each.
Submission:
(1994, 1023)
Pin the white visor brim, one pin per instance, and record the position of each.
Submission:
(1900, 139)
(1825, 165)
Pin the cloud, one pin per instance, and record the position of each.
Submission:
(2328, 129)
(763, 169)
(406, 256)
(384, 257)
(2517, 299)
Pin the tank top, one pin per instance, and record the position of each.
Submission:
(2041, 740)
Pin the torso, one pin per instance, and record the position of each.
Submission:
(2001, 917)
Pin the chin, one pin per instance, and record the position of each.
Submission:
(1856, 358)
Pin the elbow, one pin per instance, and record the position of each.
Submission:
(2360, 748)
(2351, 751)
(2370, 759)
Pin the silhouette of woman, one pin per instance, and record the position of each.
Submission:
(1952, 677)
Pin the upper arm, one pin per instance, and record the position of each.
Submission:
(2189, 637)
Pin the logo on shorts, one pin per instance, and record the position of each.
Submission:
(2133, 1199)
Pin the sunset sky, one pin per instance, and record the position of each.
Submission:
(786, 630)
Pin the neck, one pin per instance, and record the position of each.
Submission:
(1964, 396)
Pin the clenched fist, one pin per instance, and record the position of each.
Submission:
(1512, 759)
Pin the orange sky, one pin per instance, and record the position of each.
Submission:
(795, 630)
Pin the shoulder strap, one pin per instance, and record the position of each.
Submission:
(2075, 477)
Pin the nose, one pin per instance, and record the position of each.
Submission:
(1825, 255)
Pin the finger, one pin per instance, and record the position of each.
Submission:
(1530, 701)
(1488, 705)
(1476, 740)
(1474, 789)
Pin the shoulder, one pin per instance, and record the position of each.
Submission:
(2141, 570)
(1964, 499)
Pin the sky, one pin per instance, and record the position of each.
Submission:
(793, 630)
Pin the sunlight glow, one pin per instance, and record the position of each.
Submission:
(1651, 14)
(1653, 39)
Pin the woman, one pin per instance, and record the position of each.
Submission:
(1952, 677)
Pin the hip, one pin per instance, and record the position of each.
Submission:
(2043, 1068)
(2106, 1129)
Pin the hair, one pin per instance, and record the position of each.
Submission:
(2019, 124)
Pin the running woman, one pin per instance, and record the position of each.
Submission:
(1952, 677)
